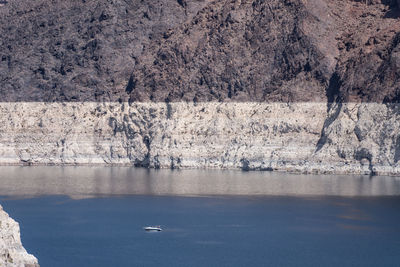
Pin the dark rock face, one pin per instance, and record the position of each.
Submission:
(240, 51)
(277, 51)
(374, 77)
(78, 50)
(200, 50)
(369, 46)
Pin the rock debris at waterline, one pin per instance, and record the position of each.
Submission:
(358, 138)
(12, 253)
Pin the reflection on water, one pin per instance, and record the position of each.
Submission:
(85, 181)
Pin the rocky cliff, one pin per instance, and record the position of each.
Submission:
(291, 85)
(355, 138)
(12, 253)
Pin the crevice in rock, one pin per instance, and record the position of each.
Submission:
(394, 11)
(175, 163)
(145, 163)
(328, 121)
(169, 110)
(131, 85)
(115, 126)
(364, 153)
(245, 164)
(333, 89)
(397, 150)
(182, 3)
(333, 96)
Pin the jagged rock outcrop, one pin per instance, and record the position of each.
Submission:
(78, 50)
(241, 51)
(12, 253)
(368, 45)
(289, 51)
(199, 50)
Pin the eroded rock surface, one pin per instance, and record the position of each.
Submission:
(78, 50)
(296, 85)
(241, 51)
(356, 137)
(200, 50)
(12, 253)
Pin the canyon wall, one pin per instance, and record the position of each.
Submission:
(288, 85)
(200, 51)
(12, 253)
(358, 138)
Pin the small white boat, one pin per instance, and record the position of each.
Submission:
(153, 228)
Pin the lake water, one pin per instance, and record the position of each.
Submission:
(93, 216)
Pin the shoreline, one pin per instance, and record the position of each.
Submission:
(239, 169)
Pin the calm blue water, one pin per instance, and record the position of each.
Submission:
(210, 231)
(93, 216)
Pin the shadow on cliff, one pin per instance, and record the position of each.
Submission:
(334, 106)
(394, 11)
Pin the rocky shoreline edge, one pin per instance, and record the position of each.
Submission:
(343, 138)
(12, 253)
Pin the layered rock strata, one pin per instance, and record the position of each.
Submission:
(12, 253)
(299, 137)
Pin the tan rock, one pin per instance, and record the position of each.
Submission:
(12, 253)
(295, 137)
